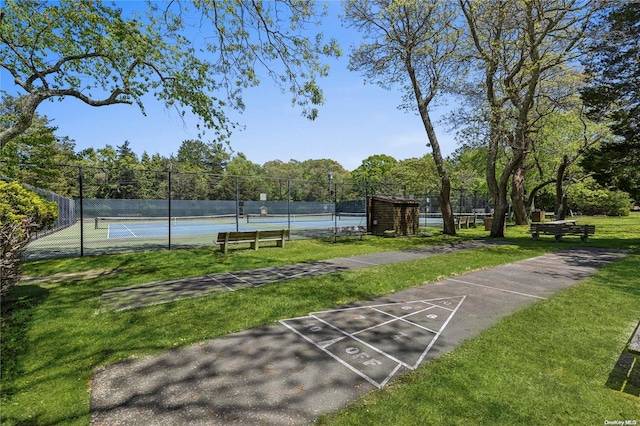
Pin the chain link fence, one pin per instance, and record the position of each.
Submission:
(105, 210)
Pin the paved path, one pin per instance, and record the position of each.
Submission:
(292, 372)
(166, 291)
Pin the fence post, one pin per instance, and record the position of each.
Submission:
(366, 199)
(237, 203)
(169, 205)
(81, 212)
(289, 207)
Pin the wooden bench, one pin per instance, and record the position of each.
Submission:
(348, 230)
(558, 230)
(254, 238)
(462, 222)
(634, 343)
(466, 221)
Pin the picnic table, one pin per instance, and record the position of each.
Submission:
(560, 228)
(563, 222)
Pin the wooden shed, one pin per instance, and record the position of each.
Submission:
(398, 215)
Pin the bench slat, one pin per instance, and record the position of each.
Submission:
(254, 238)
(559, 230)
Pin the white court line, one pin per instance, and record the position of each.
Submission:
(337, 358)
(496, 288)
(238, 278)
(389, 304)
(433, 341)
(361, 261)
(127, 228)
(221, 283)
(290, 277)
(403, 319)
(395, 318)
(395, 370)
(380, 351)
(553, 266)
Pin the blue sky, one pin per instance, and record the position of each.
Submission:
(356, 120)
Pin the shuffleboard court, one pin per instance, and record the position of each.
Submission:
(378, 341)
(293, 372)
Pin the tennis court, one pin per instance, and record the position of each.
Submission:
(102, 235)
(139, 227)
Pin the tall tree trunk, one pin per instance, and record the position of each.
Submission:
(444, 197)
(448, 223)
(561, 206)
(499, 188)
(518, 197)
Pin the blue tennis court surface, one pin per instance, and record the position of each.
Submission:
(161, 228)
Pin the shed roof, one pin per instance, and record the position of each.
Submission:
(396, 200)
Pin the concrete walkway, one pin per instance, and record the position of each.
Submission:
(292, 372)
(123, 298)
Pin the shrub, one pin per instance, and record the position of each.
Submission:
(21, 213)
(592, 199)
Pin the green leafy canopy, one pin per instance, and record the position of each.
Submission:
(187, 54)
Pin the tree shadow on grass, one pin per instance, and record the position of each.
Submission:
(16, 313)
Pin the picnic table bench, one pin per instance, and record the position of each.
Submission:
(465, 221)
(348, 230)
(254, 238)
(561, 228)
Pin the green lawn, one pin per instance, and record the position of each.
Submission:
(546, 364)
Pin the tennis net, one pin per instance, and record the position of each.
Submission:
(352, 216)
(284, 218)
(103, 222)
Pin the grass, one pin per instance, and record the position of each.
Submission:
(545, 364)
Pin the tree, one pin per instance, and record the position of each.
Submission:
(239, 176)
(374, 171)
(518, 45)
(283, 178)
(30, 156)
(22, 212)
(418, 177)
(209, 157)
(126, 173)
(35, 156)
(155, 185)
(613, 97)
(321, 178)
(411, 44)
(104, 56)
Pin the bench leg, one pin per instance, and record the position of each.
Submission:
(224, 247)
(535, 236)
(558, 238)
(584, 238)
